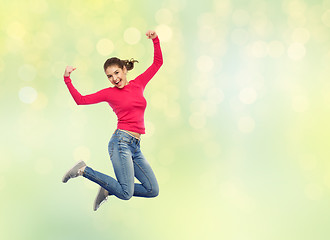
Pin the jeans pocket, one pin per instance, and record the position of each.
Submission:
(123, 146)
(125, 139)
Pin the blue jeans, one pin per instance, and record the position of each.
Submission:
(128, 162)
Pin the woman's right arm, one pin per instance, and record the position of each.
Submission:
(97, 97)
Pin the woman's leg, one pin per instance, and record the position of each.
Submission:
(121, 158)
(143, 172)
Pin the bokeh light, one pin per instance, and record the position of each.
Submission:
(165, 32)
(296, 51)
(132, 36)
(104, 47)
(27, 94)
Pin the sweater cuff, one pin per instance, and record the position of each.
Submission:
(67, 79)
(156, 40)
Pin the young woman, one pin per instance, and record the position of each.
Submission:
(127, 101)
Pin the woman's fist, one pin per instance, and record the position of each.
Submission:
(68, 71)
(151, 34)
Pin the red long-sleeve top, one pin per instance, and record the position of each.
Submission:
(128, 102)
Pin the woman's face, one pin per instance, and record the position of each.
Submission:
(117, 76)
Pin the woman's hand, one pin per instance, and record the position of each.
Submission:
(68, 71)
(151, 34)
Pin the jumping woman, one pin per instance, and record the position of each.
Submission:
(127, 101)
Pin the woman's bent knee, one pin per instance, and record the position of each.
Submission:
(126, 196)
(154, 192)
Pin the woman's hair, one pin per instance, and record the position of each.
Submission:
(129, 64)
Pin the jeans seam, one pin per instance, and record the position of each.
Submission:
(97, 179)
(151, 186)
(123, 165)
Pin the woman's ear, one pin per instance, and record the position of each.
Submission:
(125, 69)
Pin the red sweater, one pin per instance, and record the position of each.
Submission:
(128, 102)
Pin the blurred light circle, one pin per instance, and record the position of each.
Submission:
(27, 95)
(275, 49)
(132, 36)
(27, 72)
(241, 18)
(165, 32)
(296, 51)
(246, 124)
(164, 16)
(300, 35)
(326, 18)
(205, 64)
(104, 47)
(248, 95)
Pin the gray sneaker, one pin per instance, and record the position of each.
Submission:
(75, 171)
(101, 197)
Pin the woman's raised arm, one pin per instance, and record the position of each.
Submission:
(97, 97)
(145, 77)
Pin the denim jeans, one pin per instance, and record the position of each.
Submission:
(128, 162)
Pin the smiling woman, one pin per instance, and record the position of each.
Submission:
(127, 101)
(116, 70)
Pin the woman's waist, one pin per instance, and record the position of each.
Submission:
(136, 127)
(131, 133)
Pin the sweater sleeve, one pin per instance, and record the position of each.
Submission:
(97, 97)
(145, 77)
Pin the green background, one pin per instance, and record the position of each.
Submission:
(237, 118)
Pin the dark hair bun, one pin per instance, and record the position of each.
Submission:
(129, 64)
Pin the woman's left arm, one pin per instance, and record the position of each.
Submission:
(145, 77)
